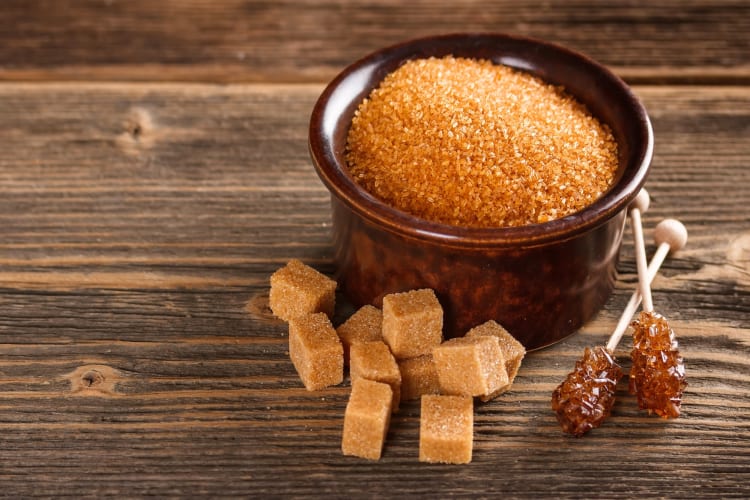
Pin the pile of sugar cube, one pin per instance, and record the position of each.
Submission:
(394, 354)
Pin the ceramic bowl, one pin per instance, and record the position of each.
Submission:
(542, 282)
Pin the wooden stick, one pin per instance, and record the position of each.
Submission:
(644, 284)
(670, 235)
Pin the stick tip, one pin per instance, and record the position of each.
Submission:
(641, 202)
(672, 232)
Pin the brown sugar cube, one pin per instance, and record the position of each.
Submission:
(374, 361)
(446, 429)
(412, 322)
(366, 419)
(365, 325)
(298, 289)
(316, 351)
(418, 377)
(513, 351)
(470, 366)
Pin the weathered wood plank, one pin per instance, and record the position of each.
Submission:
(176, 198)
(234, 40)
(137, 356)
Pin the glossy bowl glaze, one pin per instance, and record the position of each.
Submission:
(541, 281)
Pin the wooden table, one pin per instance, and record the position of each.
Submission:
(154, 172)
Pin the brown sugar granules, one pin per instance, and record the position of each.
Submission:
(471, 143)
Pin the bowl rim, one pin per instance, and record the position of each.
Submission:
(336, 178)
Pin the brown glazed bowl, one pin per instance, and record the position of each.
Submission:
(542, 282)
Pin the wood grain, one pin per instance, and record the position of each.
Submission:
(140, 224)
(291, 41)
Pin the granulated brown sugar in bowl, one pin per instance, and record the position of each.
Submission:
(470, 143)
(542, 282)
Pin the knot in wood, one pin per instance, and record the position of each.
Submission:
(92, 378)
(137, 131)
(138, 122)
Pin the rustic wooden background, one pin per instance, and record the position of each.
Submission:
(154, 172)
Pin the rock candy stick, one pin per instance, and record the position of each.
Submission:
(670, 236)
(586, 397)
(657, 375)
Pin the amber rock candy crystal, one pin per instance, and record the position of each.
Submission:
(657, 376)
(585, 398)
